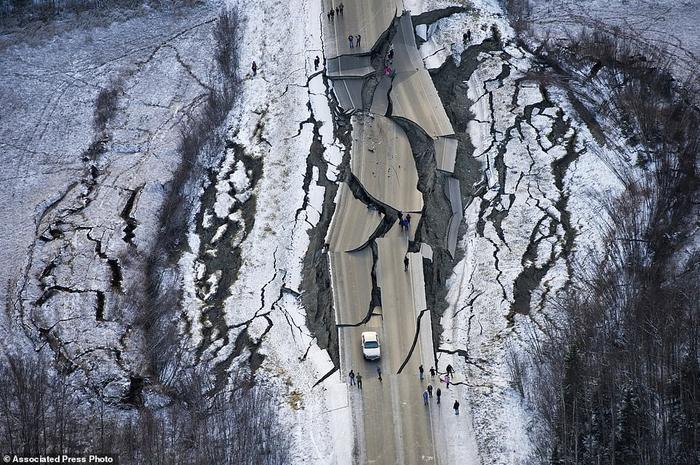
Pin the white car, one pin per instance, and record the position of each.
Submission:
(370, 345)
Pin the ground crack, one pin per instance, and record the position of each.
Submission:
(413, 344)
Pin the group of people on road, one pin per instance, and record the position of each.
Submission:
(355, 379)
(337, 11)
(389, 63)
(354, 40)
(404, 221)
(428, 392)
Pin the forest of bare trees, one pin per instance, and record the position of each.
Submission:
(45, 10)
(616, 380)
(43, 413)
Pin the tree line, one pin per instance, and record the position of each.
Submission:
(617, 380)
(45, 411)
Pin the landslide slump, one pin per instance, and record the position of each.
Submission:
(620, 373)
(450, 82)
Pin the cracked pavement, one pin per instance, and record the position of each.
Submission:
(374, 289)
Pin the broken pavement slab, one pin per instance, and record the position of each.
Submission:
(349, 93)
(353, 224)
(351, 276)
(351, 272)
(414, 98)
(401, 294)
(383, 162)
(380, 99)
(406, 55)
(413, 95)
(349, 66)
(397, 285)
(445, 153)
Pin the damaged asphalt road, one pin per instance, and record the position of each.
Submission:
(379, 286)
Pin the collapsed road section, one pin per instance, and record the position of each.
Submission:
(376, 265)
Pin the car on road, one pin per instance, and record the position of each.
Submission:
(370, 345)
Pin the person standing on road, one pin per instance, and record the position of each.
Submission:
(351, 375)
(341, 9)
(254, 67)
(405, 263)
(358, 38)
(350, 39)
(408, 221)
(317, 61)
(425, 397)
(379, 373)
(329, 15)
(450, 371)
(420, 372)
(359, 381)
(456, 407)
(432, 372)
(332, 14)
(430, 390)
(337, 11)
(438, 393)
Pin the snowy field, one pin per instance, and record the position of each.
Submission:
(535, 215)
(274, 122)
(66, 216)
(50, 82)
(537, 212)
(80, 199)
(673, 25)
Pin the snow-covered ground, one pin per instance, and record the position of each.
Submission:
(50, 82)
(541, 169)
(673, 25)
(274, 122)
(75, 193)
(165, 60)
